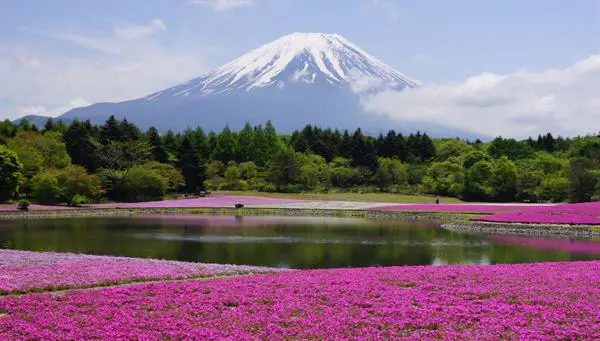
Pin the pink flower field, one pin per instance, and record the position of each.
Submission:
(206, 202)
(541, 301)
(225, 201)
(452, 208)
(574, 246)
(23, 271)
(584, 214)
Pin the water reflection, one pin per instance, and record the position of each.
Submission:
(294, 242)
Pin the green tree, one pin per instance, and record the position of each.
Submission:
(315, 173)
(391, 172)
(246, 147)
(191, 165)
(582, 179)
(45, 188)
(225, 150)
(173, 175)
(504, 179)
(445, 178)
(158, 150)
(10, 173)
(478, 184)
(74, 181)
(284, 167)
(80, 145)
(144, 184)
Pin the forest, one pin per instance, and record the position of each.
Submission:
(80, 162)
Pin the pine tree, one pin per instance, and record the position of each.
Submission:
(159, 153)
(246, 145)
(80, 145)
(225, 149)
(110, 131)
(192, 167)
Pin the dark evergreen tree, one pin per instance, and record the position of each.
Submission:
(158, 150)
(191, 166)
(225, 149)
(80, 145)
(363, 151)
(110, 131)
(246, 147)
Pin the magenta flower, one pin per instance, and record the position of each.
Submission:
(544, 301)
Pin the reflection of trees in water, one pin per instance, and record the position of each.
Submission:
(310, 244)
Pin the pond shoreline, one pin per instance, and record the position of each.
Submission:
(525, 229)
(457, 222)
(124, 212)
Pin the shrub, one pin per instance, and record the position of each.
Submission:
(23, 205)
(144, 184)
(10, 173)
(45, 188)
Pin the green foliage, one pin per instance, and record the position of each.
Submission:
(157, 147)
(445, 178)
(191, 165)
(23, 205)
(81, 145)
(65, 185)
(10, 173)
(45, 188)
(284, 167)
(175, 179)
(144, 184)
(582, 179)
(504, 179)
(312, 159)
(391, 172)
(74, 181)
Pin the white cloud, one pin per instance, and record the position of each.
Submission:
(523, 103)
(224, 5)
(388, 6)
(421, 57)
(52, 112)
(139, 31)
(77, 69)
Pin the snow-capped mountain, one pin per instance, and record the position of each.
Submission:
(299, 79)
(308, 58)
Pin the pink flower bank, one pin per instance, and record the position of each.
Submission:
(451, 208)
(22, 271)
(584, 213)
(533, 301)
(225, 201)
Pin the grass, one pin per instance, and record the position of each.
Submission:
(344, 196)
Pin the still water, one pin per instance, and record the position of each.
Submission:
(291, 242)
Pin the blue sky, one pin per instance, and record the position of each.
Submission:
(63, 53)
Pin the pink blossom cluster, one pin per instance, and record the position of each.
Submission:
(225, 201)
(571, 246)
(543, 301)
(584, 213)
(23, 271)
(208, 202)
(451, 208)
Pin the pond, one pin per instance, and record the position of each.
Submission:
(290, 242)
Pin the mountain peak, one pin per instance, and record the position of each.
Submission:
(297, 58)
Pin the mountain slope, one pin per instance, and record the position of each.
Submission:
(299, 79)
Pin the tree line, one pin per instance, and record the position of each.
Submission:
(80, 162)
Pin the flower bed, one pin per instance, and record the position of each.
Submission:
(571, 246)
(23, 271)
(226, 201)
(532, 301)
(451, 208)
(580, 214)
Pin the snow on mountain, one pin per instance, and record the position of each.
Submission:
(296, 58)
(299, 79)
